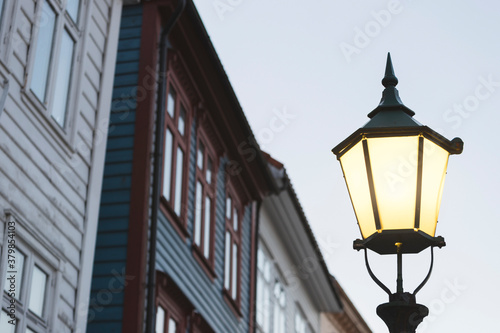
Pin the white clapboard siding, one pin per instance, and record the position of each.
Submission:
(52, 180)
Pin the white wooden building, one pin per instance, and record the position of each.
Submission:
(293, 282)
(57, 60)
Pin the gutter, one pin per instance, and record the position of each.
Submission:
(157, 164)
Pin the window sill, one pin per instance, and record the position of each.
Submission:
(232, 303)
(205, 264)
(174, 220)
(62, 136)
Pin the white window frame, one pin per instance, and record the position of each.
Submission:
(264, 288)
(266, 292)
(37, 251)
(63, 22)
(7, 19)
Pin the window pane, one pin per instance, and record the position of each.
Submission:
(1, 10)
(167, 167)
(260, 260)
(37, 291)
(199, 158)
(5, 326)
(227, 261)
(235, 220)
(264, 309)
(279, 307)
(63, 76)
(282, 298)
(197, 213)
(171, 102)
(300, 322)
(19, 268)
(267, 270)
(267, 308)
(206, 238)
(72, 8)
(178, 181)
(209, 171)
(182, 121)
(172, 326)
(160, 320)
(282, 321)
(43, 52)
(228, 207)
(276, 319)
(234, 287)
(260, 299)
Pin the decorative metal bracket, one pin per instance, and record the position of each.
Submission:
(377, 281)
(358, 245)
(428, 274)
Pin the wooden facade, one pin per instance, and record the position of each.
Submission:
(53, 130)
(194, 285)
(289, 260)
(112, 237)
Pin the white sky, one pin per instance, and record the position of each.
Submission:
(285, 57)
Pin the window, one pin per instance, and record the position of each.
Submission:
(232, 246)
(174, 312)
(264, 286)
(271, 296)
(301, 324)
(165, 323)
(6, 22)
(175, 157)
(279, 301)
(28, 281)
(53, 57)
(204, 199)
(2, 10)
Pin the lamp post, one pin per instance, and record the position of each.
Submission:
(394, 168)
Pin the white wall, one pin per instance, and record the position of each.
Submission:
(51, 179)
(294, 282)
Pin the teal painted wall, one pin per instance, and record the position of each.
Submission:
(106, 296)
(174, 255)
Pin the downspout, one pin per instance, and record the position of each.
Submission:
(157, 164)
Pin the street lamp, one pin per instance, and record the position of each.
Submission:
(394, 168)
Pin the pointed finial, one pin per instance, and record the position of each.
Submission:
(390, 96)
(389, 79)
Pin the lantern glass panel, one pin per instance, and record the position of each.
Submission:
(353, 166)
(394, 168)
(433, 174)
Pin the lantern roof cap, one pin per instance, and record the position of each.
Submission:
(393, 118)
(390, 98)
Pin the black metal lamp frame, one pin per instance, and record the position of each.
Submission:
(391, 118)
(401, 314)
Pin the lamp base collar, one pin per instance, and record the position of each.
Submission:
(402, 314)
